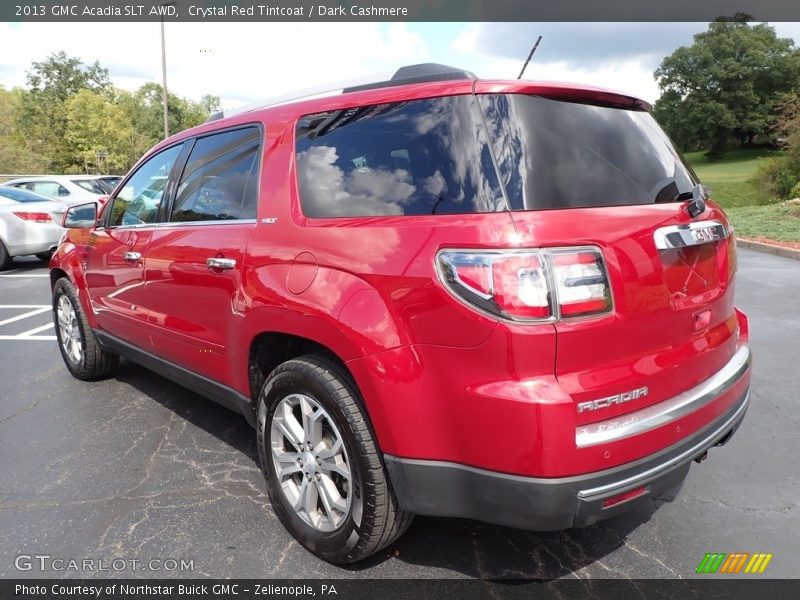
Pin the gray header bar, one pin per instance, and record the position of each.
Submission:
(394, 10)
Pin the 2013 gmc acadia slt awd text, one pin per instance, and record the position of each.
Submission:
(501, 300)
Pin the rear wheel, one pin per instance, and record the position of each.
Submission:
(79, 348)
(5, 257)
(324, 472)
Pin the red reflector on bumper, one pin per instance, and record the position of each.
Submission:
(624, 497)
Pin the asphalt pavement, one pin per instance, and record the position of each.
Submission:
(136, 468)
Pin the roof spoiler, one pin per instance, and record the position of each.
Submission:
(421, 73)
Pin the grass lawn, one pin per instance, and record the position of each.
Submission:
(731, 178)
(732, 184)
(770, 222)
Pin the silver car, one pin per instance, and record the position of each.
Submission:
(29, 224)
(69, 189)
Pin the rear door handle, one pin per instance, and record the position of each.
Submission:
(220, 263)
(132, 256)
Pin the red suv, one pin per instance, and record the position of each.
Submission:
(501, 300)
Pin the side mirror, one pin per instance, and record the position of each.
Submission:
(80, 216)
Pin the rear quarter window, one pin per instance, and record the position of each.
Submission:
(421, 157)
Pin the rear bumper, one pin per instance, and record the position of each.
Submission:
(444, 489)
(34, 238)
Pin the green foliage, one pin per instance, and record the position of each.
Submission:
(779, 222)
(728, 83)
(778, 176)
(70, 112)
(732, 179)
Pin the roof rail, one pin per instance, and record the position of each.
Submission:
(420, 73)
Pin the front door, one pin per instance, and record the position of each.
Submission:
(115, 254)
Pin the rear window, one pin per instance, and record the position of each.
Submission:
(422, 157)
(559, 154)
(431, 156)
(20, 195)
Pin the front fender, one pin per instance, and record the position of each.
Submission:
(68, 261)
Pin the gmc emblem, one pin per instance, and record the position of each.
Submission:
(611, 400)
(705, 234)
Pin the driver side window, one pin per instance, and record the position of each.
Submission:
(137, 203)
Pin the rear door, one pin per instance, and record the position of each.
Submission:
(114, 264)
(582, 174)
(193, 266)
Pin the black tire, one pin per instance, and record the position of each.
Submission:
(93, 362)
(45, 256)
(374, 520)
(5, 257)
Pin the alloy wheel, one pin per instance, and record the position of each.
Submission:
(68, 328)
(311, 462)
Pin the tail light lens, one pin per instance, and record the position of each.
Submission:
(582, 282)
(38, 217)
(529, 285)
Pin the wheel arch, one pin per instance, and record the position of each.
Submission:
(268, 349)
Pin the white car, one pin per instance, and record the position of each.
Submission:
(69, 189)
(29, 224)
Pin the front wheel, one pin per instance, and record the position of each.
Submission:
(324, 472)
(79, 348)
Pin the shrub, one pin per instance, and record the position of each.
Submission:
(779, 176)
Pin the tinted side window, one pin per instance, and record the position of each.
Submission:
(422, 157)
(220, 181)
(139, 200)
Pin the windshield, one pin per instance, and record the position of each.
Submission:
(19, 195)
(560, 154)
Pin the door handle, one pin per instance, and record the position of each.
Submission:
(132, 256)
(220, 263)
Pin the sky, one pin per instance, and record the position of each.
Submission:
(244, 63)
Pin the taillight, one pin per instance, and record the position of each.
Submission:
(529, 285)
(582, 282)
(38, 217)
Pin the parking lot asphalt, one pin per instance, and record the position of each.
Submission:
(136, 467)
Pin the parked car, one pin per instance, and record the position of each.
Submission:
(501, 300)
(69, 189)
(29, 224)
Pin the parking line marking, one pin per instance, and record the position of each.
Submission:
(21, 275)
(30, 332)
(23, 305)
(49, 338)
(38, 311)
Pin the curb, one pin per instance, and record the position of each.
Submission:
(768, 248)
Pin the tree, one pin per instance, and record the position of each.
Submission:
(726, 84)
(61, 76)
(44, 116)
(14, 156)
(94, 125)
(181, 113)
